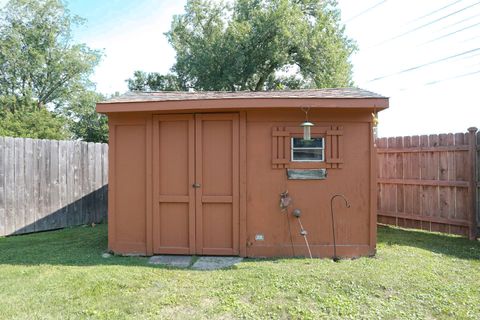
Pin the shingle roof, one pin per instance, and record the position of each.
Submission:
(334, 93)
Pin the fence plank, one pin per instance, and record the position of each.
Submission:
(35, 180)
(43, 174)
(70, 198)
(62, 180)
(2, 186)
(47, 185)
(55, 208)
(472, 190)
(445, 196)
(19, 184)
(105, 182)
(9, 184)
(98, 181)
(477, 179)
(78, 183)
(90, 182)
(29, 186)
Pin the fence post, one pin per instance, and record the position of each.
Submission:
(477, 180)
(472, 142)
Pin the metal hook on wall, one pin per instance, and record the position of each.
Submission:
(347, 204)
(305, 110)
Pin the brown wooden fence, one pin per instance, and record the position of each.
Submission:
(429, 182)
(47, 184)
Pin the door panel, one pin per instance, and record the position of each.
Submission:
(174, 222)
(217, 156)
(217, 172)
(174, 197)
(217, 226)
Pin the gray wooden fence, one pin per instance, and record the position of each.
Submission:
(49, 184)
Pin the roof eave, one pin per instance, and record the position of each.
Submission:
(379, 104)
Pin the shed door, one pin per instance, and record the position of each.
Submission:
(174, 197)
(196, 184)
(217, 173)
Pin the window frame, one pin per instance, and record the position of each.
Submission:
(292, 149)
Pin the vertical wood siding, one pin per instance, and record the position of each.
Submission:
(430, 182)
(48, 184)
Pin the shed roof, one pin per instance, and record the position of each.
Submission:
(181, 100)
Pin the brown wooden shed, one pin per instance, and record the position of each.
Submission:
(202, 172)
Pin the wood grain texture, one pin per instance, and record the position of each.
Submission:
(49, 184)
(428, 182)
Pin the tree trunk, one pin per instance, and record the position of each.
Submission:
(260, 82)
(262, 79)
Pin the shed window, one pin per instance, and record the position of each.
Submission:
(308, 150)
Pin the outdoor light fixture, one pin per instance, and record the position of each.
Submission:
(375, 122)
(307, 125)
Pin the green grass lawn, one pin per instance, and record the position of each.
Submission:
(415, 275)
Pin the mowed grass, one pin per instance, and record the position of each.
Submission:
(415, 275)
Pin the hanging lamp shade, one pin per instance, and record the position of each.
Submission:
(307, 134)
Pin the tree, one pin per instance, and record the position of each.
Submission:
(84, 122)
(45, 91)
(37, 124)
(39, 64)
(154, 81)
(260, 45)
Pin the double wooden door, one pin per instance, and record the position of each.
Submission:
(196, 184)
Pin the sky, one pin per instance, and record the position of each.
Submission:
(423, 55)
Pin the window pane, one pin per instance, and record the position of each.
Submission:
(314, 143)
(308, 154)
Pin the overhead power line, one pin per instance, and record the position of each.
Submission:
(365, 11)
(435, 11)
(458, 22)
(431, 83)
(452, 33)
(452, 78)
(425, 64)
(472, 38)
(427, 24)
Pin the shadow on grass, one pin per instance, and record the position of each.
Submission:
(83, 246)
(450, 245)
(76, 246)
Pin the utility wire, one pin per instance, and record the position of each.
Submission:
(452, 78)
(425, 64)
(452, 33)
(458, 22)
(445, 79)
(426, 24)
(435, 11)
(365, 11)
(472, 38)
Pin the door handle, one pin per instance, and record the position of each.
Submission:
(196, 185)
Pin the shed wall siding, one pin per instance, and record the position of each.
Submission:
(261, 185)
(127, 197)
(265, 184)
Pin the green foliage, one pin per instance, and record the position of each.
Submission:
(38, 60)
(154, 81)
(84, 122)
(415, 275)
(42, 69)
(261, 45)
(33, 123)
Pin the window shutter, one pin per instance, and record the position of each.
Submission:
(334, 147)
(280, 148)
